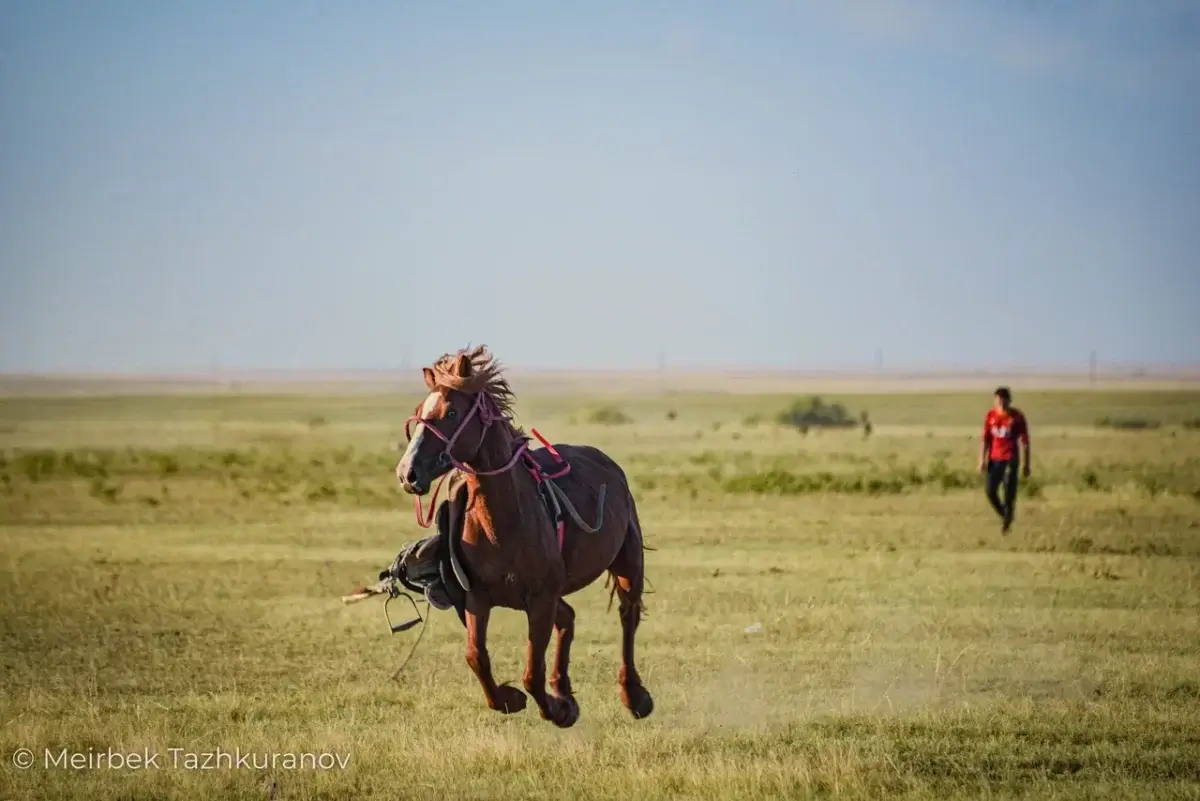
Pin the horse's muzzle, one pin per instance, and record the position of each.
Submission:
(414, 486)
(421, 473)
(410, 480)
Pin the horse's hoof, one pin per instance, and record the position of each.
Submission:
(509, 700)
(563, 711)
(644, 707)
(638, 702)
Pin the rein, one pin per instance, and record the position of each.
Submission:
(490, 413)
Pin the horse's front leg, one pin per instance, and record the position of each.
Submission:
(564, 627)
(502, 698)
(561, 711)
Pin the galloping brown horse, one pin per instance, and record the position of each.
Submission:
(520, 551)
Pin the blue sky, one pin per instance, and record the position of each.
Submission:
(760, 183)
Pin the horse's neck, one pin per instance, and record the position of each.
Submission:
(497, 500)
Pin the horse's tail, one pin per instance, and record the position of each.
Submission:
(634, 529)
(635, 522)
(610, 584)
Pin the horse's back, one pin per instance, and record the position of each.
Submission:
(588, 461)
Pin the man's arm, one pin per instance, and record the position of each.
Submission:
(1026, 466)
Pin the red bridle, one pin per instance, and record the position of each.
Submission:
(488, 413)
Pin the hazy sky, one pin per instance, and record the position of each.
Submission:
(766, 183)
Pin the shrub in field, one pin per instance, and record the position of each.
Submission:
(1192, 423)
(946, 477)
(324, 491)
(46, 464)
(779, 481)
(806, 413)
(1090, 479)
(1080, 545)
(608, 415)
(99, 489)
(1127, 423)
(167, 463)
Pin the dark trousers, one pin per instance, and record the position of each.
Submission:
(1003, 474)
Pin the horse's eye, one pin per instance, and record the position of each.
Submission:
(451, 414)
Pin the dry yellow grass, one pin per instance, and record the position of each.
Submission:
(170, 570)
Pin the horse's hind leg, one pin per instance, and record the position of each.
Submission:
(628, 571)
(564, 626)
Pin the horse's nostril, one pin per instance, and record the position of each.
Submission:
(411, 476)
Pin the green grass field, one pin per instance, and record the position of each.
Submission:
(171, 568)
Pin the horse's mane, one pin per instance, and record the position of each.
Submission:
(485, 374)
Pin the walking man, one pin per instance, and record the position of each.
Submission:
(1003, 428)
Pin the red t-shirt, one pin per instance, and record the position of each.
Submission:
(1004, 429)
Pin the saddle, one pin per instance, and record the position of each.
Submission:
(547, 466)
(451, 567)
(435, 566)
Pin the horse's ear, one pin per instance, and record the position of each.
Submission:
(430, 379)
(462, 365)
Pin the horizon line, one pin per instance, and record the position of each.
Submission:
(1129, 369)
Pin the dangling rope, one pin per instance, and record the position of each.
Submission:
(389, 587)
(404, 662)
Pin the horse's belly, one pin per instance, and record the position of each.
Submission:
(576, 583)
(587, 559)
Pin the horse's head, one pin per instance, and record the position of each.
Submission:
(449, 427)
